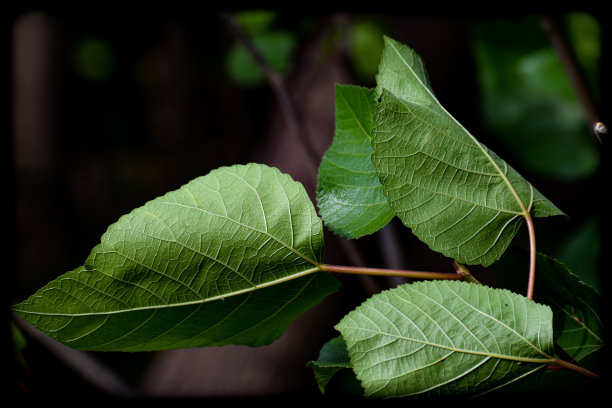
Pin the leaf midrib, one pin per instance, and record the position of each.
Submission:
(355, 117)
(237, 308)
(194, 302)
(465, 351)
(434, 192)
(580, 323)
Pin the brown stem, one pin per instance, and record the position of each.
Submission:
(465, 273)
(532, 256)
(563, 354)
(576, 368)
(356, 270)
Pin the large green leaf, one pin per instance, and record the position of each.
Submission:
(227, 258)
(446, 337)
(456, 195)
(349, 195)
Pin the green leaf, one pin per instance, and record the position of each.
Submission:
(578, 327)
(349, 195)
(333, 357)
(446, 337)
(576, 305)
(402, 72)
(225, 259)
(456, 195)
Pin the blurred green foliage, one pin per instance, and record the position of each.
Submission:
(364, 40)
(365, 47)
(527, 99)
(256, 21)
(19, 340)
(584, 32)
(275, 45)
(94, 59)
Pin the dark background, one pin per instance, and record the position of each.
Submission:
(82, 152)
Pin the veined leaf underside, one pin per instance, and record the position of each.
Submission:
(421, 77)
(453, 192)
(443, 338)
(204, 254)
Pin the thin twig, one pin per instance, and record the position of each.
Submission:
(276, 82)
(576, 368)
(465, 273)
(574, 72)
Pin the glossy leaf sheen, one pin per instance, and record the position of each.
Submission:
(227, 258)
(446, 337)
(349, 195)
(456, 195)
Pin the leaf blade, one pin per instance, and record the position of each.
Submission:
(428, 163)
(423, 339)
(256, 318)
(226, 239)
(577, 322)
(349, 195)
(576, 306)
(333, 357)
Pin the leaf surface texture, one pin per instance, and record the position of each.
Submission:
(455, 194)
(227, 258)
(443, 337)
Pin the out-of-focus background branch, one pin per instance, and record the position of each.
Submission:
(111, 110)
